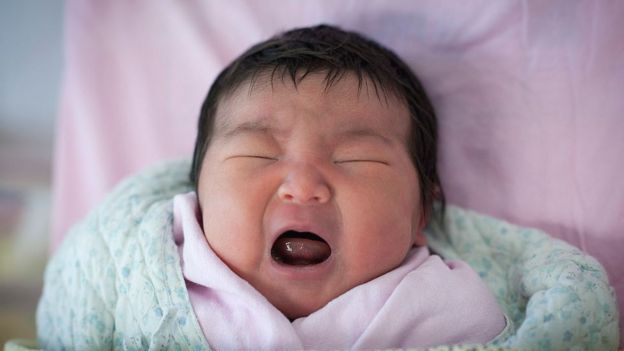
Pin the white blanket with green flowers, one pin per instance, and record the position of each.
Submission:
(116, 281)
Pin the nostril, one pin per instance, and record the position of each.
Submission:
(302, 198)
(304, 188)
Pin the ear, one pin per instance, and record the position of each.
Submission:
(419, 235)
(420, 239)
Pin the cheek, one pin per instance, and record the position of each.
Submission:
(381, 222)
(389, 202)
(232, 215)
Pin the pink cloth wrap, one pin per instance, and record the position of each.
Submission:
(424, 302)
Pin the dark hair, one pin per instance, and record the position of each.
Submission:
(334, 52)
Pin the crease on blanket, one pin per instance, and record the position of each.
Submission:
(116, 282)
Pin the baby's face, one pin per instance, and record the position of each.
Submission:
(307, 192)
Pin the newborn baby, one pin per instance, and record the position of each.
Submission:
(315, 175)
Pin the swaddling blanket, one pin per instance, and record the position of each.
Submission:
(422, 303)
(116, 282)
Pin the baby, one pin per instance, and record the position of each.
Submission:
(315, 175)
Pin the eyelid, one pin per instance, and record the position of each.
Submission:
(262, 157)
(361, 160)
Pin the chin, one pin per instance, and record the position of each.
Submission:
(297, 309)
(296, 314)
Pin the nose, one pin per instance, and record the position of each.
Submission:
(304, 184)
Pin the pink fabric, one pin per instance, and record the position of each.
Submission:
(529, 97)
(425, 302)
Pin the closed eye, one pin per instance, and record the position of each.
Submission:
(260, 157)
(361, 160)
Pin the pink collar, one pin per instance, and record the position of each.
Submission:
(424, 302)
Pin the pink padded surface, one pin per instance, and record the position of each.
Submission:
(529, 96)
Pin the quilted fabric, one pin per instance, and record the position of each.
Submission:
(556, 297)
(116, 281)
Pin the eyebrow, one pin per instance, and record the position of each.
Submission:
(363, 133)
(262, 127)
(247, 127)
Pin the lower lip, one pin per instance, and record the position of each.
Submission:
(306, 272)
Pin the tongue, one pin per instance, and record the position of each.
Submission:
(300, 251)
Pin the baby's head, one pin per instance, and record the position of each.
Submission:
(315, 165)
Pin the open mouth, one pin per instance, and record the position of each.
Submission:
(300, 249)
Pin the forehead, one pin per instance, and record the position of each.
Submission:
(347, 103)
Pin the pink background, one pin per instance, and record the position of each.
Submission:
(530, 97)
